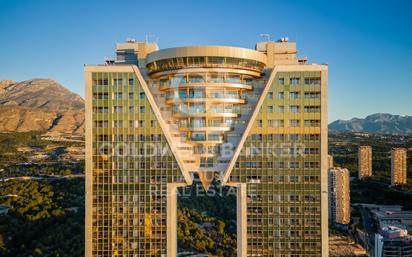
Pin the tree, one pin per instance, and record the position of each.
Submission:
(220, 226)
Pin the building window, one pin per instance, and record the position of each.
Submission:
(281, 81)
(259, 123)
(100, 82)
(103, 137)
(153, 123)
(155, 137)
(295, 179)
(312, 95)
(278, 123)
(311, 137)
(270, 95)
(312, 165)
(256, 137)
(281, 109)
(312, 123)
(279, 137)
(294, 81)
(117, 82)
(294, 137)
(196, 78)
(142, 95)
(101, 124)
(117, 109)
(294, 108)
(312, 150)
(101, 96)
(294, 95)
(312, 109)
(294, 123)
(131, 82)
(312, 81)
(101, 110)
(118, 96)
(270, 109)
(281, 95)
(142, 109)
(118, 124)
(131, 109)
(132, 124)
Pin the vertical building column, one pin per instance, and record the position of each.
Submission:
(241, 220)
(324, 164)
(171, 221)
(88, 166)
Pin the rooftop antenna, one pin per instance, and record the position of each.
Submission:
(265, 36)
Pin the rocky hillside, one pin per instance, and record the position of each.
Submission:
(40, 105)
(375, 123)
(39, 93)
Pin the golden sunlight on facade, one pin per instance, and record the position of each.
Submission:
(364, 161)
(339, 196)
(252, 119)
(399, 168)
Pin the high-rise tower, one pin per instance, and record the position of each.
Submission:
(364, 161)
(399, 159)
(339, 196)
(250, 119)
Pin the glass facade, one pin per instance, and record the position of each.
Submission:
(151, 128)
(204, 61)
(204, 106)
(129, 172)
(282, 176)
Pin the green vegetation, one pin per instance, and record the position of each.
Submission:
(373, 191)
(44, 169)
(217, 202)
(204, 234)
(344, 148)
(11, 142)
(46, 219)
(43, 222)
(18, 156)
(207, 221)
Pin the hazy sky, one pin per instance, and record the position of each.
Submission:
(367, 44)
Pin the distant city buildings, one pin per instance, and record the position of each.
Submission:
(364, 161)
(398, 166)
(330, 161)
(339, 197)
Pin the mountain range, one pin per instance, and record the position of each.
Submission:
(40, 105)
(45, 105)
(376, 123)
